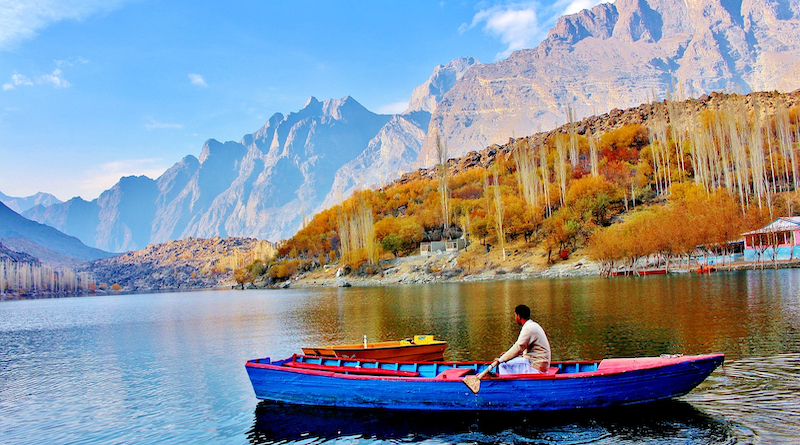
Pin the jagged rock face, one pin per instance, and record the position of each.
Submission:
(425, 97)
(288, 169)
(386, 158)
(616, 56)
(397, 145)
(257, 187)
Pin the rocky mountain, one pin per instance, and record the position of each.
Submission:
(397, 145)
(617, 55)
(426, 97)
(182, 264)
(262, 185)
(20, 205)
(765, 103)
(612, 56)
(259, 186)
(43, 242)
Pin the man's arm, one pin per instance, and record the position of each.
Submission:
(520, 346)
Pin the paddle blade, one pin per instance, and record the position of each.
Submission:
(473, 383)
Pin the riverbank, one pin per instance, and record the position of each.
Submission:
(470, 267)
(462, 266)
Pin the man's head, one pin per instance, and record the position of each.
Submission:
(522, 313)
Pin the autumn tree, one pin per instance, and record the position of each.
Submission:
(242, 277)
(499, 212)
(442, 174)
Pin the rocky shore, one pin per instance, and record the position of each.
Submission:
(446, 268)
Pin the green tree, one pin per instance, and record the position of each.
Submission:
(392, 243)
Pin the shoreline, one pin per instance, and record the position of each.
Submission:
(423, 270)
(417, 269)
(572, 269)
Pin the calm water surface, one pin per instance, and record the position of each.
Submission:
(169, 368)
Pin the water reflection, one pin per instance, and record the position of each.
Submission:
(761, 392)
(168, 368)
(668, 422)
(741, 314)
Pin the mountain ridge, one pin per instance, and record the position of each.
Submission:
(30, 237)
(608, 57)
(21, 204)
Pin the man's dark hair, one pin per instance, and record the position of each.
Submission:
(523, 311)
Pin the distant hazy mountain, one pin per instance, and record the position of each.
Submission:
(41, 241)
(7, 254)
(20, 205)
(616, 55)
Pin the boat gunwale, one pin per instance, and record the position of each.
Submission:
(614, 371)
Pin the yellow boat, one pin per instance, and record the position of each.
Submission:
(419, 348)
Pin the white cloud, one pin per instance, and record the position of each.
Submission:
(104, 176)
(23, 19)
(71, 61)
(393, 108)
(515, 25)
(524, 25)
(152, 124)
(197, 80)
(17, 80)
(54, 79)
(579, 5)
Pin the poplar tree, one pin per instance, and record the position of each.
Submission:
(444, 193)
(561, 168)
(498, 210)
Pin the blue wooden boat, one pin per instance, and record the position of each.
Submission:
(325, 381)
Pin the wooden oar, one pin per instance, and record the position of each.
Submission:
(473, 382)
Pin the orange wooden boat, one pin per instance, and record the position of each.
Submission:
(419, 348)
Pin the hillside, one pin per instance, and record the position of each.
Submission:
(190, 263)
(7, 254)
(657, 179)
(37, 239)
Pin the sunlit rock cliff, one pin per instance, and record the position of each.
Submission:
(618, 55)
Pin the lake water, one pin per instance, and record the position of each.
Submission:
(169, 367)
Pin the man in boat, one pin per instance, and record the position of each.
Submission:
(531, 352)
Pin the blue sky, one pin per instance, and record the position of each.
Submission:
(94, 90)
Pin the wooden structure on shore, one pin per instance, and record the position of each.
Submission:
(777, 241)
